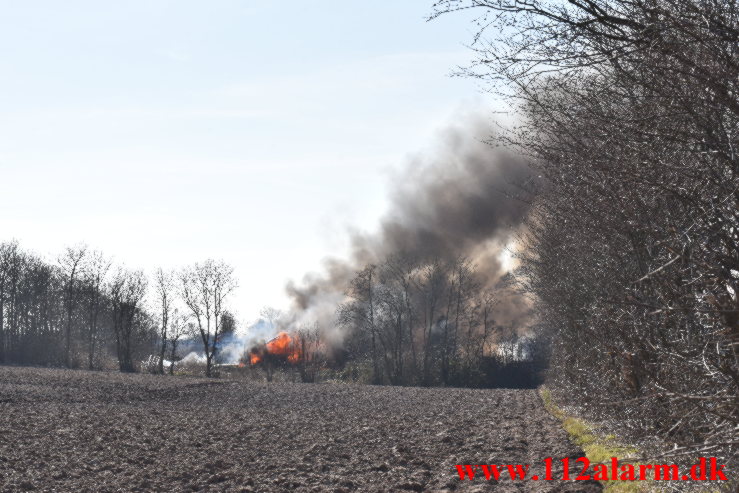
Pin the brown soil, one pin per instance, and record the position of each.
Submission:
(79, 431)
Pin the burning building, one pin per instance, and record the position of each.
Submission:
(281, 349)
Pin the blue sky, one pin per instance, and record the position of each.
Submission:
(165, 132)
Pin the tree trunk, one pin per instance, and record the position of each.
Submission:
(160, 369)
(172, 354)
(92, 339)
(375, 360)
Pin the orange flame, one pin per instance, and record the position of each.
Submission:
(283, 346)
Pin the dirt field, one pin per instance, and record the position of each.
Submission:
(83, 431)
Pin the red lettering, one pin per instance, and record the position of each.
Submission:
(700, 466)
(489, 471)
(520, 470)
(666, 469)
(628, 473)
(585, 465)
(466, 470)
(601, 472)
(717, 473)
(548, 468)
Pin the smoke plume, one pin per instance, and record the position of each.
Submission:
(462, 198)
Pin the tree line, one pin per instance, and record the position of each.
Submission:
(81, 311)
(422, 321)
(628, 110)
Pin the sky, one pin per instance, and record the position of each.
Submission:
(257, 132)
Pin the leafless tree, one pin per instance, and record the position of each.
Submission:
(271, 315)
(8, 270)
(630, 116)
(95, 273)
(51, 313)
(311, 357)
(71, 263)
(31, 308)
(180, 326)
(360, 313)
(431, 285)
(205, 288)
(434, 312)
(127, 292)
(165, 291)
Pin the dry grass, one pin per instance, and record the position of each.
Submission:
(598, 447)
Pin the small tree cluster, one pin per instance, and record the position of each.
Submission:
(79, 310)
(72, 312)
(425, 322)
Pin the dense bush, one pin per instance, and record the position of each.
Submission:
(629, 111)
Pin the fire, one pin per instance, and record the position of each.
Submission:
(282, 346)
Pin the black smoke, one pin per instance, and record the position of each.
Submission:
(464, 197)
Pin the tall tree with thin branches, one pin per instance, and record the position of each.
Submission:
(165, 291)
(71, 263)
(205, 288)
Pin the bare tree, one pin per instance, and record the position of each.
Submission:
(360, 313)
(127, 292)
(71, 263)
(180, 326)
(31, 308)
(439, 304)
(8, 262)
(271, 315)
(310, 357)
(630, 115)
(205, 288)
(94, 279)
(52, 313)
(165, 289)
(431, 285)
